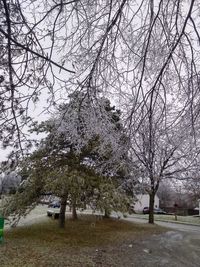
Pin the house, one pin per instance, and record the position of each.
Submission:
(143, 201)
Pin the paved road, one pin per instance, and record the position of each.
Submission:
(175, 226)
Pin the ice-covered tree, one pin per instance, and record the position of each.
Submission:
(161, 147)
(135, 51)
(9, 182)
(122, 47)
(85, 147)
(92, 140)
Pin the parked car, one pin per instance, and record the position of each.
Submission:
(54, 204)
(53, 213)
(146, 210)
(159, 211)
(155, 211)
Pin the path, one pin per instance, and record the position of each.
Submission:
(175, 226)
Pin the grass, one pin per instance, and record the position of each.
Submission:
(44, 244)
(171, 218)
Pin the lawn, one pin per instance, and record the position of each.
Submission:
(79, 244)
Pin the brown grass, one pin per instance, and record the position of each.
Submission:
(44, 244)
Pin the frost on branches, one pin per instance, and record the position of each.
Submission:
(84, 119)
(85, 150)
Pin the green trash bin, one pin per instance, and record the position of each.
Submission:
(1, 229)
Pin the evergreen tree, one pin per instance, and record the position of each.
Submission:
(84, 152)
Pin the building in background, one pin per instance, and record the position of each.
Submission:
(143, 201)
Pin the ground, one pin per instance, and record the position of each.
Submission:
(172, 249)
(98, 243)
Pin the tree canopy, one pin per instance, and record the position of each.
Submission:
(132, 49)
(79, 163)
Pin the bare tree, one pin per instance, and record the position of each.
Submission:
(166, 194)
(25, 69)
(123, 47)
(192, 184)
(162, 148)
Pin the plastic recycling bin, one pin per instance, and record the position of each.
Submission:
(1, 229)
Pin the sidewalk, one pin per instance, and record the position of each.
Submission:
(191, 228)
(165, 220)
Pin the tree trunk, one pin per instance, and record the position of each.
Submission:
(151, 207)
(63, 204)
(74, 213)
(106, 214)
